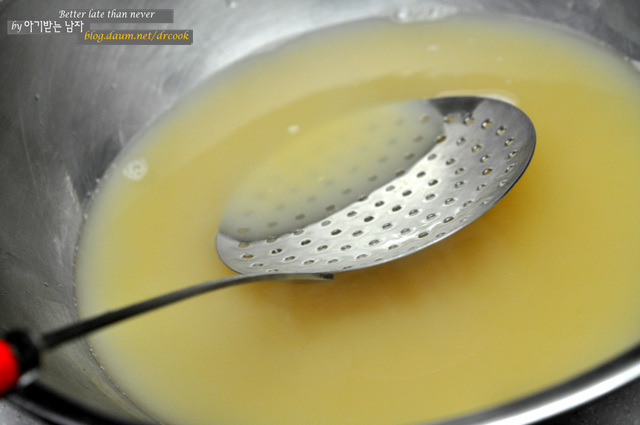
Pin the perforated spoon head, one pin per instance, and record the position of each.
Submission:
(478, 149)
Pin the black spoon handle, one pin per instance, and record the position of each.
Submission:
(20, 350)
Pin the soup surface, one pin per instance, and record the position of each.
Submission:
(541, 288)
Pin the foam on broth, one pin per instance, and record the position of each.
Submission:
(541, 288)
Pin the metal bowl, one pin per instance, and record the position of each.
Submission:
(67, 110)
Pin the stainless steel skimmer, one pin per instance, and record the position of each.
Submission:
(478, 149)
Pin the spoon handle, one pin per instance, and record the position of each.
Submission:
(20, 350)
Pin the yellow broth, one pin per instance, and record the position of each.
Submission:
(541, 288)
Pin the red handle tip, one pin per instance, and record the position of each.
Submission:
(9, 368)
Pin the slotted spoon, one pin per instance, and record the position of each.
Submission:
(477, 150)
